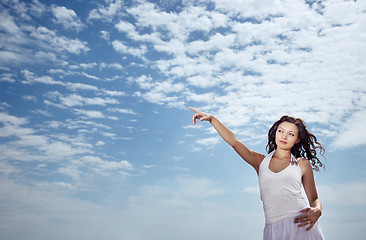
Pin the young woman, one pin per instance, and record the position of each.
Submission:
(282, 173)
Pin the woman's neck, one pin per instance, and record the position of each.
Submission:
(280, 153)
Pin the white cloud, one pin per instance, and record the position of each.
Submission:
(46, 56)
(56, 185)
(268, 60)
(200, 81)
(41, 112)
(6, 168)
(258, 9)
(60, 149)
(177, 158)
(114, 93)
(80, 86)
(27, 145)
(173, 46)
(122, 48)
(30, 98)
(106, 13)
(196, 149)
(216, 42)
(168, 87)
(70, 171)
(8, 57)
(350, 132)
(73, 100)
(4, 106)
(148, 15)
(31, 78)
(88, 65)
(124, 26)
(67, 18)
(77, 100)
(108, 134)
(103, 165)
(144, 82)
(47, 37)
(6, 118)
(111, 65)
(104, 35)
(208, 142)
(122, 110)
(26, 10)
(7, 24)
(18, 35)
(159, 91)
(90, 113)
(90, 164)
(37, 8)
(14, 130)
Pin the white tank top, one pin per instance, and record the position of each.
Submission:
(281, 192)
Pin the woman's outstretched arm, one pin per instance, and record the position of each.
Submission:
(250, 156)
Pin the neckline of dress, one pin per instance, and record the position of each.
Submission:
(269, 161)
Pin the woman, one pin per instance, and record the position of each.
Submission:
(287, 167)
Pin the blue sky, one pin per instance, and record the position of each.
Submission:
(96, 140)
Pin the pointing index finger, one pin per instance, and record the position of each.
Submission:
(193, 109)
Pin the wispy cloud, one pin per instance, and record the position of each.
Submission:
(264, 55)
(30, 146)
(67, 18)
(348, 132)
(106, 13)
(208, 142)
(123, 48)
(47, 44)
(123, 111)
(47, 37)
(90, 113)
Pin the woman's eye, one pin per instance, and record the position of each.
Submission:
(291, 134)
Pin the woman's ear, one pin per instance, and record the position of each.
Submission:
(297, 141)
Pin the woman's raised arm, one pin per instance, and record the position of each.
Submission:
(251, 157)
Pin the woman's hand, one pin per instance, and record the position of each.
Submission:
(310, 217)
(200, 115)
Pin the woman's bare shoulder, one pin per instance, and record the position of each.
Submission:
(304, 165)
(303, 161)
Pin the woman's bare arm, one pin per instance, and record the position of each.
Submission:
(310, 215)
(250, 156)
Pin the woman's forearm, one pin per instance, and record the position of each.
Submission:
(251, 157)
(224, 132)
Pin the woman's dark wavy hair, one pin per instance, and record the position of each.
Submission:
(305, 148)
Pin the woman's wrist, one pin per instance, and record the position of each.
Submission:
(210, 117)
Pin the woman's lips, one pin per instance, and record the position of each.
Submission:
(283, 142)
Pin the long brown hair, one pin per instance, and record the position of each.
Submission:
(305, 148)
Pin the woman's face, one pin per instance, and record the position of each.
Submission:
(286, 135)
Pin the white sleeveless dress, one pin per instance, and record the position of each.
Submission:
(282, 202)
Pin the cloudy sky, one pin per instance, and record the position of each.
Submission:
(96, 140)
